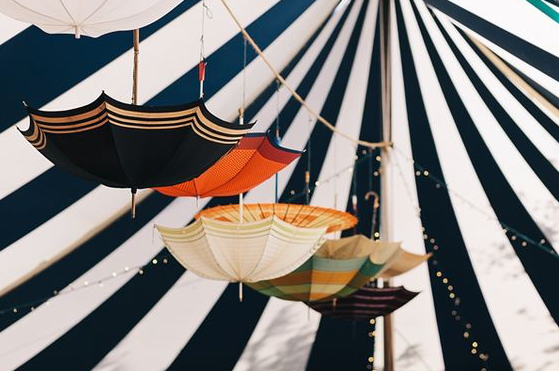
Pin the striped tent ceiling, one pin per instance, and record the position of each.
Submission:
(82, 286)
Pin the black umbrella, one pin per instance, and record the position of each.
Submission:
(127, 146)
(369, 302)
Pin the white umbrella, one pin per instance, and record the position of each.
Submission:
(87, 17)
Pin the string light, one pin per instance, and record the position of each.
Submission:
(514, 234)
(86, 284)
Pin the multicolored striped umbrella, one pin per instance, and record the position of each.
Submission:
(256, 158)
(339, 268)
(366, 303)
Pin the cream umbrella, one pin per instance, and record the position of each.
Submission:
(92, 18)
(263, 248)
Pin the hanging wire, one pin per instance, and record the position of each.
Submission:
(206, 12)
(278, 138)
(308, 172)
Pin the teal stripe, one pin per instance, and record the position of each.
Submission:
(334, 265)
(546, 9)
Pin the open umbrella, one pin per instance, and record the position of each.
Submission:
(263, 248)
(337, 269)
(368, 302)
(255, 159)
(87, 17)
(305, 216)
(127, 146)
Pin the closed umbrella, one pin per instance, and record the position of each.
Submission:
(87, 17)
(255, 159)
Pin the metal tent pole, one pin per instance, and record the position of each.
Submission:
(386, 235)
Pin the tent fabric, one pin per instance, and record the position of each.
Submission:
(255, 159)
(339, 268)
(127, 146)
(85, 17)
(366, 303)
(297, 215)
(452, 113)
(241, 252)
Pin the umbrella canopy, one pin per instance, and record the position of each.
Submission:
(126, 146)
(366, 303)
(338, 269)
(251, 162)
(305, 216)
(242, 252)
(90, 18)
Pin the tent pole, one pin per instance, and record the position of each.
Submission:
(386, 235)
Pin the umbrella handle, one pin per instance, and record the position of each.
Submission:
(240, 291)
(133, 206)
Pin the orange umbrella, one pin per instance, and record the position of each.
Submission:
(255, 159)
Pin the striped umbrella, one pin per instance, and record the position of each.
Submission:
(261, 249)
(127, 146)
(369, 302)
(305, 216)
(338, 269)
(256, 158)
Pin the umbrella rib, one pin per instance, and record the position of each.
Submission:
(94, 12)
(67, 12)
(37, 13)
(297, 214)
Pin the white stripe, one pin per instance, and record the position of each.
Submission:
(40, 247)
(37, 330)
(520, 18)
(416, 342)
(538, 76)
(10, 28)
(545, 143)
(341, 153)
(528, 187)
(282, 339)
(153, 78)
(156, 341)
(534, 331)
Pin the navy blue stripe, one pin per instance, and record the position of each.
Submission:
(529, 53)
(340, 344)
(73, 265)
(541, 268)
(438, 217)
(130, 300)
(38, 67)
(549, 125)
(223, 65)
(539, 164)
(38, 201)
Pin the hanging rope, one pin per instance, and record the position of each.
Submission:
(278, 138)
(202, 63)
(294, 93)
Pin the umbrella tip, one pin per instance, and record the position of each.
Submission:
(25, 104)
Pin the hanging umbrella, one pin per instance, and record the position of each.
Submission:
(338, 269)
(87, 17)
(304, 216)
(255, 159)
(265, 247)
(368, 302)
(127, 146)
